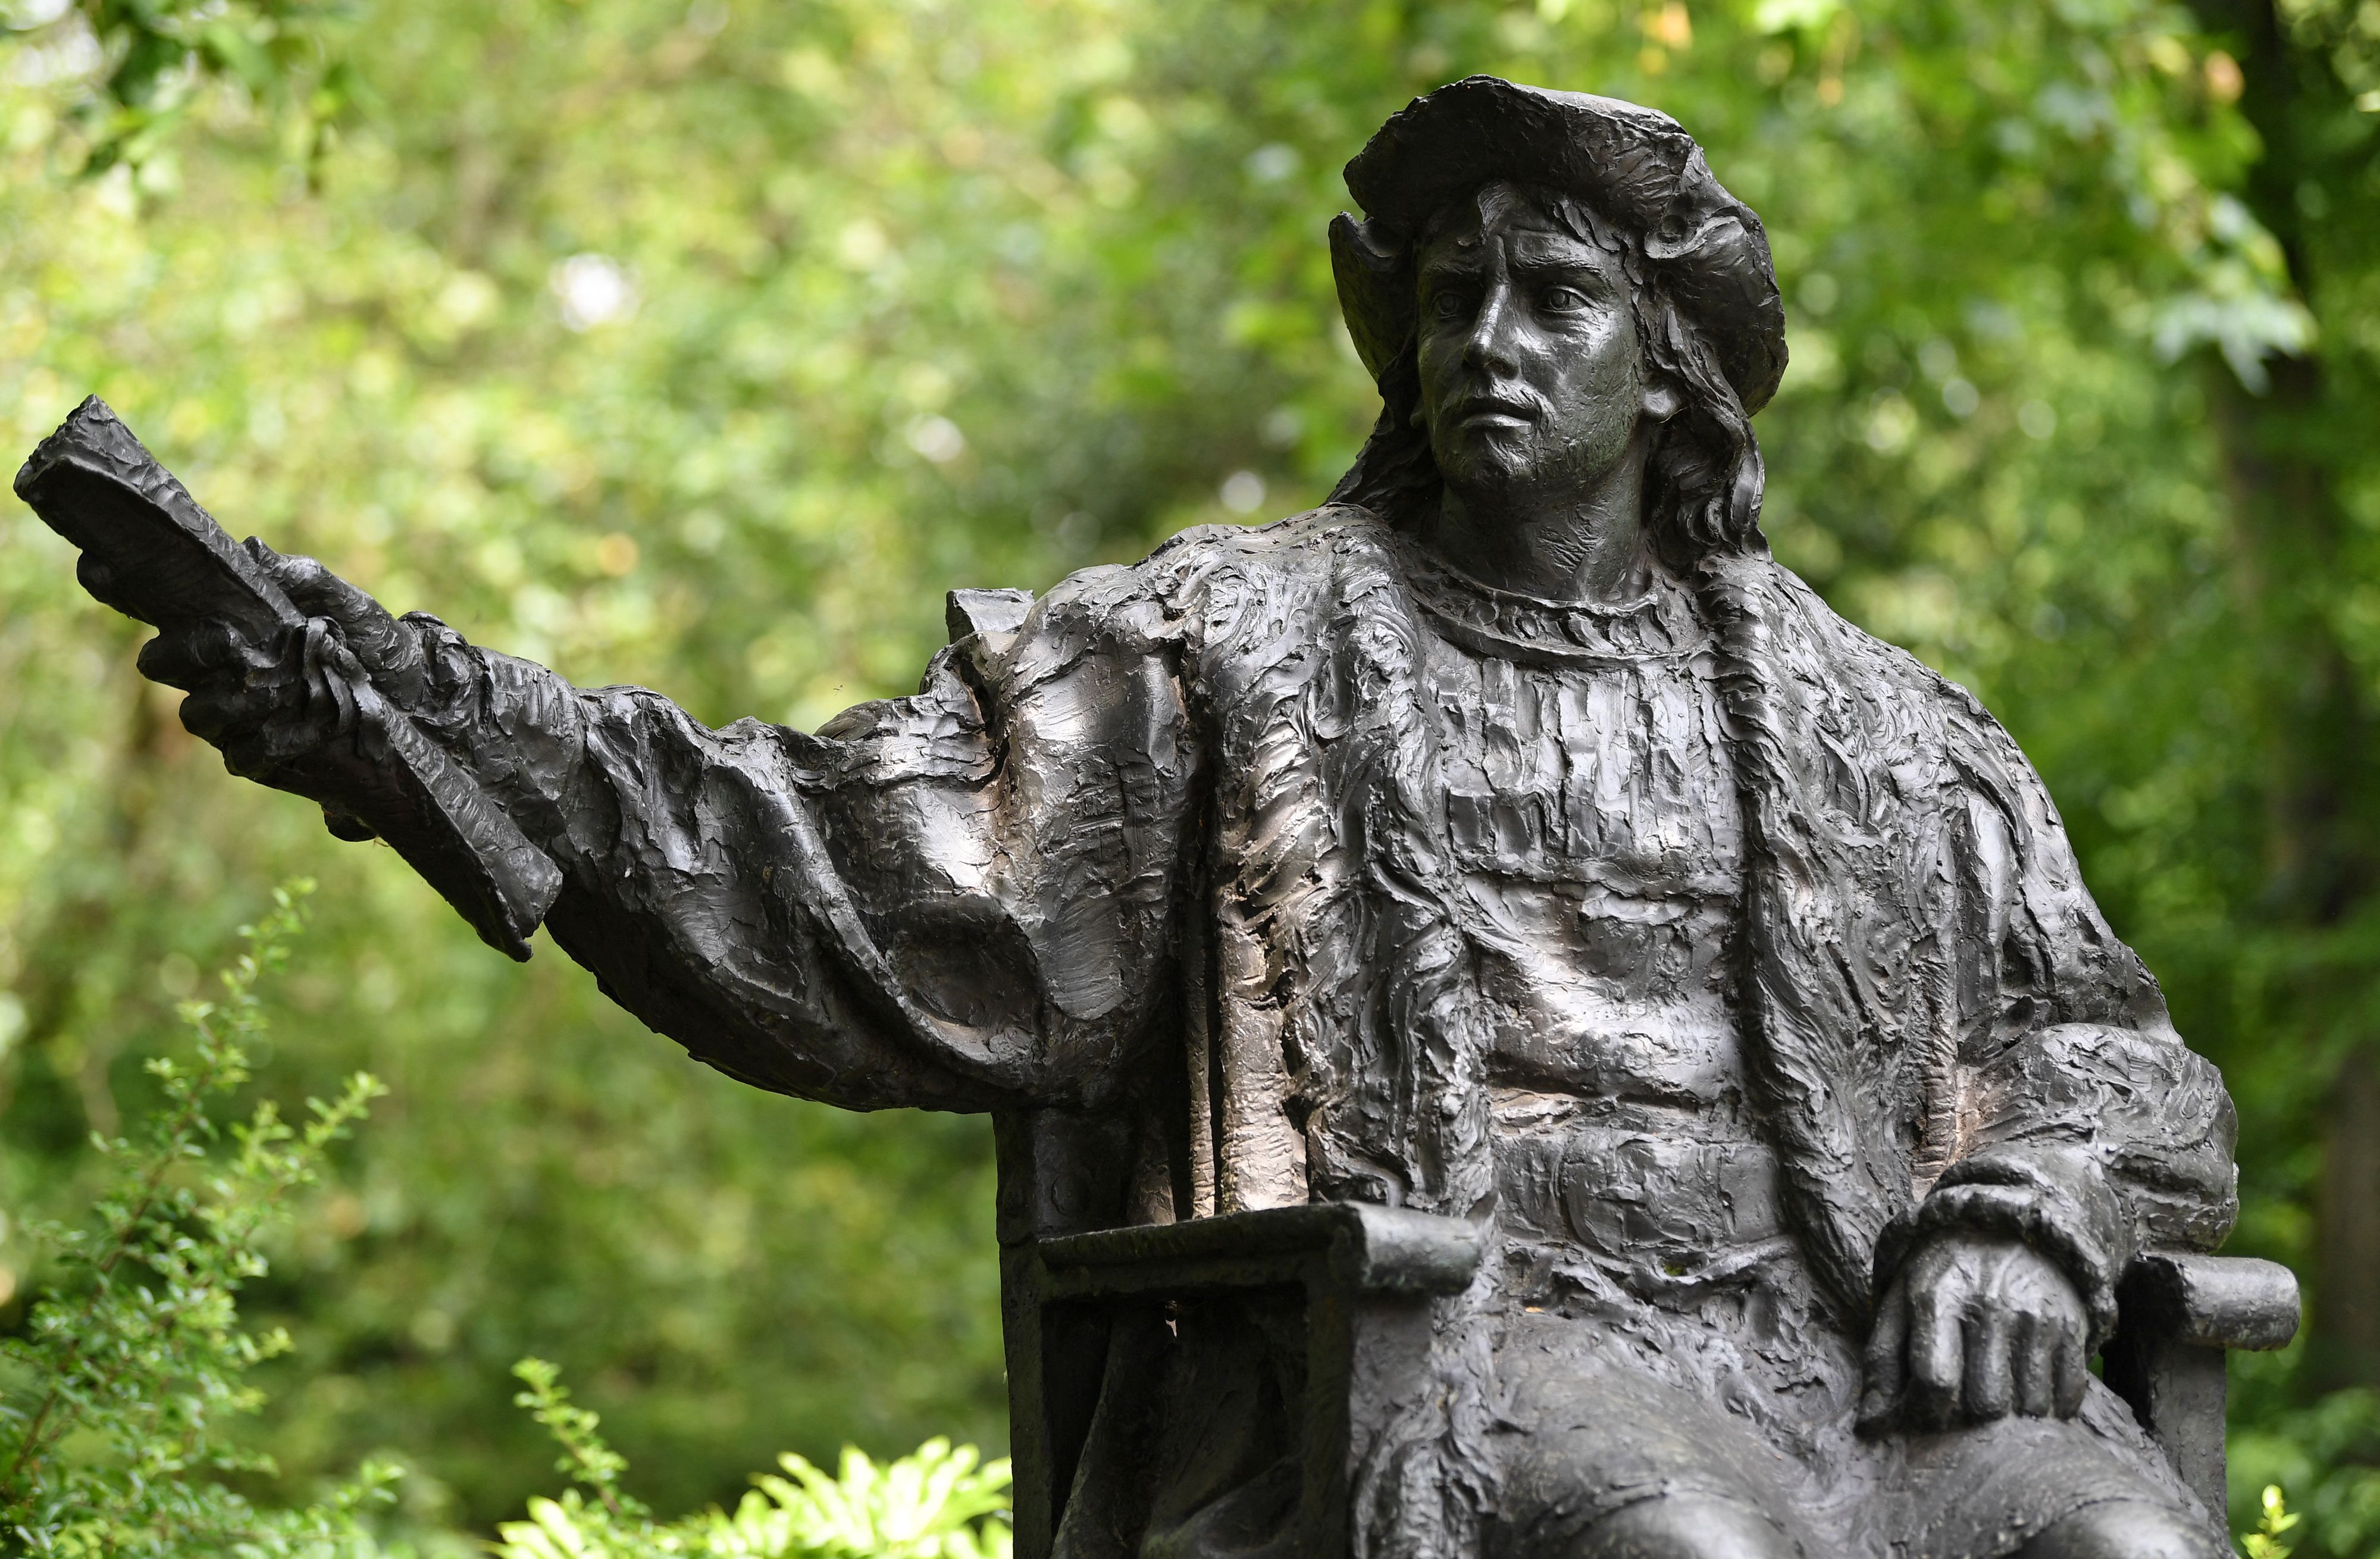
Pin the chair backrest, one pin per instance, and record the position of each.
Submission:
(1061, 1172)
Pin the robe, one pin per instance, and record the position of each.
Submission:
(1167, 847)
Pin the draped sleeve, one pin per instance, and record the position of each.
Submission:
(965, 899)
(2072, 1114)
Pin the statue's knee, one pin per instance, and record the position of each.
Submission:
(1686, 1527)
(2123, 1530)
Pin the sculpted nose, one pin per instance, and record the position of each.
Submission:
(1490, 348)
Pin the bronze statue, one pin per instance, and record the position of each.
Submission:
(1510, 838)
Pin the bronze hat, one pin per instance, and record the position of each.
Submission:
(1635, 165)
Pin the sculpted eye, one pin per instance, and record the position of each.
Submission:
(1565, 300)
(1448, 305)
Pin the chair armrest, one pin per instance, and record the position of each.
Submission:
(2175, 1317)
(1368, 1250)
(1082, 1371)
(2211, 1301)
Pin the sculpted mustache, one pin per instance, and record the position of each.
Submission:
(1515, 401)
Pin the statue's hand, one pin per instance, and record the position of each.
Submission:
(1972, 1328)
(263, 704)
(389, 651)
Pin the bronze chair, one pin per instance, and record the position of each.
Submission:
(1361, 1279)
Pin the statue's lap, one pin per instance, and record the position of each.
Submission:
(1744, 1391)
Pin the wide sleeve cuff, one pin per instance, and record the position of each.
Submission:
(519, 728)
(2056, 1201)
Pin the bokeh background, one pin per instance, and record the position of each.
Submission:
(704, 346)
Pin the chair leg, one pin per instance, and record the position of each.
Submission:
(2176, 1390)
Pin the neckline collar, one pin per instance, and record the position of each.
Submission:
(1660, 624)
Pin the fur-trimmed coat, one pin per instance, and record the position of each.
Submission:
(1169, 844)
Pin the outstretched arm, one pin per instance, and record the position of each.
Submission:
(962, 899)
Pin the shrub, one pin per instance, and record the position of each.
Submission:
(935, 1503)
(112, 1433)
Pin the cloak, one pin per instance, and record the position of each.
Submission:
(1166, 847)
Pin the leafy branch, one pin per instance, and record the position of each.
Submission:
(585, 1456)
(939, 1503)
(151, 60)
(2265, 1542)
(131, 1367)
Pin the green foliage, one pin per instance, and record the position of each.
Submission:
(941, 1502)
(2273, 1521)
(585, 1457)
(150, 62)
(705, 345)
(2324, 1451)
(935, 1503)
(112, 1439)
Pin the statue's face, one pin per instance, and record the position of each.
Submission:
(1532, 375)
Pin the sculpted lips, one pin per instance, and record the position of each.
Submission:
(1493, 410)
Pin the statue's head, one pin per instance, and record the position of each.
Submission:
(1547, 283)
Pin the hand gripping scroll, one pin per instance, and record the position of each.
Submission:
(152, 553)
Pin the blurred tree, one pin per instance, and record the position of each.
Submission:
(707, 344)
(2294, 461)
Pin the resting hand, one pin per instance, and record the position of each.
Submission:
(262, 703)
(1972, 1328)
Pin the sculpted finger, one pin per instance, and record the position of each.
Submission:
(1989, 1388)
(2035, 1371)
(384, 647)
(292, 571)
(2073, 1373)
(317, 593)
(317, 590)
(250, 754)
(220, 711)
(1886, 1348)
(1937, 1355)
(172, 659)
(188, 654)
(331, 676)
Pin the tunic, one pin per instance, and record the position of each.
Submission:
(1598, 841)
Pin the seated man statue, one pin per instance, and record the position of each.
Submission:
(1510, 838)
